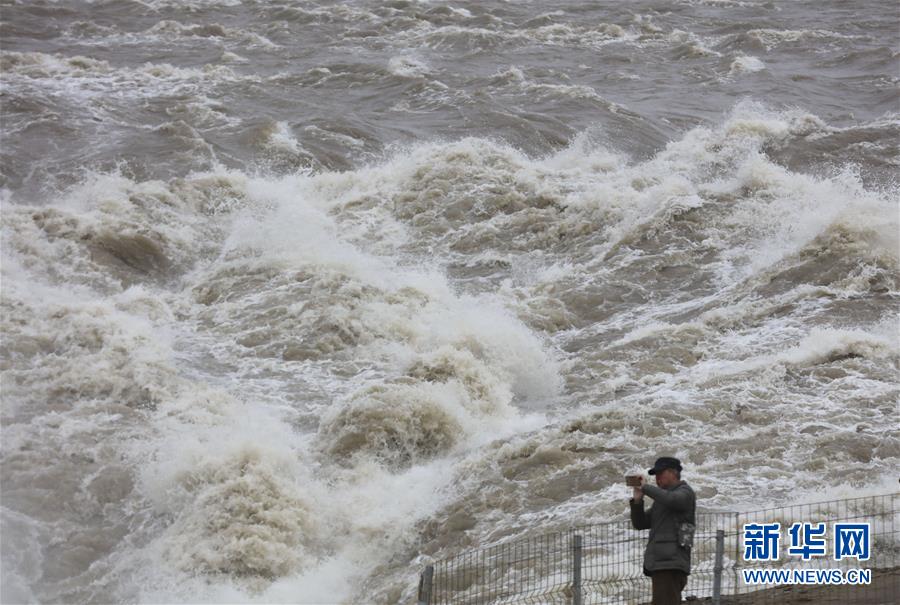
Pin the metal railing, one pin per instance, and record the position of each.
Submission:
(603, 563)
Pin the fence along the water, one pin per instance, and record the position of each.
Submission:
(603, 563)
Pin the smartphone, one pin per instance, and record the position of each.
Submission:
(633, 480)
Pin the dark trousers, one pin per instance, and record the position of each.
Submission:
(667, 586)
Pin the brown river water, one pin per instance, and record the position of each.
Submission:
(298, 295)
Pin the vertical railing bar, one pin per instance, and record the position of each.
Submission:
(427, 579)
(737, 553)
(576, 569)
(717, 567)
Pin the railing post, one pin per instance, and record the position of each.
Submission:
(425, 579)
(576, 570)
(736, 562)
(718, 566)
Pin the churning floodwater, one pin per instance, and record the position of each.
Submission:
(298, 295)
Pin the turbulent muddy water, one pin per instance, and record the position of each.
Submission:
(298, 295)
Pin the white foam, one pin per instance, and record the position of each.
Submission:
(746, 64)
(281, 138)
(771, 38)
(238, 498)
(408, 67)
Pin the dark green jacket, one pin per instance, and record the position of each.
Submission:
(670, 507)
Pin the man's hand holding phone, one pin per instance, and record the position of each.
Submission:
(635, 482)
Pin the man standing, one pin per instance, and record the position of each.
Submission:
(667, 558)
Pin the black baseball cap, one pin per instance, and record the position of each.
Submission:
(664, 463)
